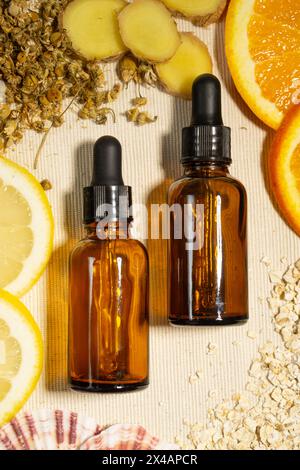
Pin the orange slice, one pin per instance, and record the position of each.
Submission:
(262, 43)
(284, 168)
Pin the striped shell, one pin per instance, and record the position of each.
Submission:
(47, 430)
(125, 437)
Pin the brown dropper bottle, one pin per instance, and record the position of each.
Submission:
(208, 261)
(108, 313)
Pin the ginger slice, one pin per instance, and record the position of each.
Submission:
(200, 12)
(149, 31)
(191, 60)
(92, 27)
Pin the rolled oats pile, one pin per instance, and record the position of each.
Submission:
(284, 302)
(267, 415)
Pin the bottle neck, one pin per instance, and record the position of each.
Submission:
(194, 170)
(113, 230)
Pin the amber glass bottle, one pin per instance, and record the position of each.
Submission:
(108, 321)
(208, 263)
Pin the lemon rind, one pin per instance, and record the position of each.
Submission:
(16, 306)
(44, 221)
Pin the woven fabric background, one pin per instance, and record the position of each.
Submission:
(151, 162)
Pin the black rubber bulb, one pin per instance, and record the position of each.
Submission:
(107, 162)
(206, 99)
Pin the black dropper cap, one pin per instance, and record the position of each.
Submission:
(206, 140)
(107, 196)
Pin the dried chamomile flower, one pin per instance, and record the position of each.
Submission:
(146, 74)
(2, 144)
(132, 114)
(58, 121)
(139, 101)
(103, 114)
(15, 7)
(132, 69)
(138, 117)
(145, 118)
(114, 93)
(54, 95)
(10, 126)
(4, 111)
(127, 68)
(46, 185)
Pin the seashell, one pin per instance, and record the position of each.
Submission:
(47, 430)
(125, 437)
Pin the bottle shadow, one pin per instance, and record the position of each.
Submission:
(158, 248)
(57, 276)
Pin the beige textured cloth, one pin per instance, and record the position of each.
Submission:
(151, 161)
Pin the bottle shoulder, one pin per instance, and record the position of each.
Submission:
(186, 180)
(95, 246)
(82, 245)
(140, 246)
(187, 185)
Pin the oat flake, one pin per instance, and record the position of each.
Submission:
(267, 415)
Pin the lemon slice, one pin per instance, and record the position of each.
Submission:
(21, 355)
(26, 228)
